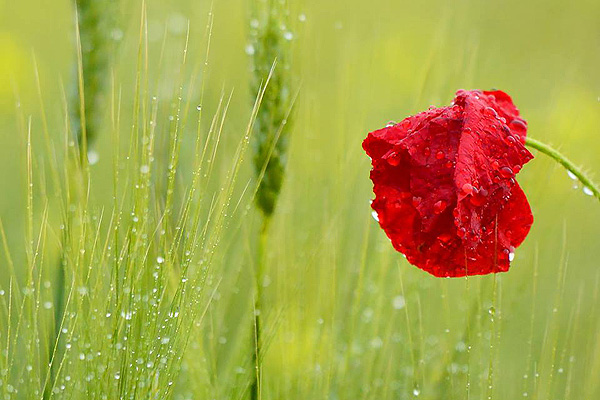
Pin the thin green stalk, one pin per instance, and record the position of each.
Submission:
(94, 28)
(255, 388)
(589, 187)
(270, 50)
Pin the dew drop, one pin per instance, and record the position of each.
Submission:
(445, 238)
(490, 112)
(467, 188)
(511, 256)
(116, 34)
(518, 123)
(478, 197)
(439, 155)
(374, 215)
(390, 124)
(439, 206)
(93, 157)
(416, 201)
(399, 302)
(571, 175)
(506, 172)
(426, 151)
(250, 50)
(393, 159)
(588, 191)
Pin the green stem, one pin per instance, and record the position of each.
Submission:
(588, 184)
(255, 387)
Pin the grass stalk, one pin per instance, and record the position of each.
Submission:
(270, 51)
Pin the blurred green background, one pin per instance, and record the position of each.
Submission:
(348, 317)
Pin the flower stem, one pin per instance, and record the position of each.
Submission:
(588, 184)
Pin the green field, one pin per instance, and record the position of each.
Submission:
(158, 239)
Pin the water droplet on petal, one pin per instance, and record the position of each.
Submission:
(393, 159)
(518, 124)
(490, 112)
(374, 215)
(445, 238)
(439, 155)
(478, 197)
(467, 188)
(506, 172)
(426, 151)
(439, 206)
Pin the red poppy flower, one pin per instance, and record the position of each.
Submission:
(444, 183)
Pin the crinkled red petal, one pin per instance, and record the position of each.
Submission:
(444, 184)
